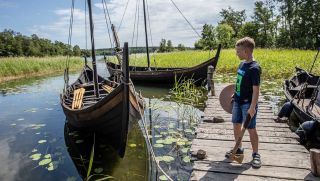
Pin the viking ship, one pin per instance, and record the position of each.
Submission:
(94, 103)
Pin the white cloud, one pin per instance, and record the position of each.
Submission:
(166, 22)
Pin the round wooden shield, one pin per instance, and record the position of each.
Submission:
(225, 98)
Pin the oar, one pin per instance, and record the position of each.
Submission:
(239, 158)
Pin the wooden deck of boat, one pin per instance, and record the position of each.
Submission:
(282, 156)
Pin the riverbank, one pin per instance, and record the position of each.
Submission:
(13, 68)
(275, 63)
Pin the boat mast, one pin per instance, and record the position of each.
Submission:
(146, 33)
(93, 52)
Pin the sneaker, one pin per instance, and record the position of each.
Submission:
(239, 152)
(256, 160)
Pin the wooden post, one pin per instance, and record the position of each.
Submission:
(315, 161)
(210, 80)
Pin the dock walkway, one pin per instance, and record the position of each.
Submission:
(283, 158)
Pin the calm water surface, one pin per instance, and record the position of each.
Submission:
(36, 144)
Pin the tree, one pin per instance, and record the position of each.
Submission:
(169, 47)
(264, 20)
(76, 51)
(209, 37)
(249, 29)
(225, 35)
(233, 18)
(163, 44)
(181, 47)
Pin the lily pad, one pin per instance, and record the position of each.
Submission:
(181, 143)
(163, 133)
(163, 177)
(158, 145)
(167, 158)
(45, 161)
(98, 170)
(186, 159)
(158, 136)
(160, 141)
(52, 166)
(36, 156)
(188, 131)
(47, 156)
(133, 145)
(185, 150)
(159, 158)
(42, 141)
(156, 126)
(34, 150)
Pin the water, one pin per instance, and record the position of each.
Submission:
(35, 143)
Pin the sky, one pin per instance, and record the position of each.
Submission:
(50, 19)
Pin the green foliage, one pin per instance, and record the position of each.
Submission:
(10, 67)
(225, 35)
(169, 46)
(181, 47)
(15, 44)
(249, 29)
(162, 47)
(208, 39)
(233, 18)
(275, 63)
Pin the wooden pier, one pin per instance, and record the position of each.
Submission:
(283, 158)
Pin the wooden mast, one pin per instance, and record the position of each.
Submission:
(117, 47)
(146, 33)
(93, 52)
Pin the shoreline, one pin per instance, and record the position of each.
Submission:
(33, 75)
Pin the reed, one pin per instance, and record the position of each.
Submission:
(24, 66)
(275, 63)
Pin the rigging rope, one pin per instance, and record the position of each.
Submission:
(66, 73)
(153, 54)
(105, 8)
(125, 10)
(186, 19)
(86, 26)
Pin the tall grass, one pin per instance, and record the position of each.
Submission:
(275, 63)
(10, 67)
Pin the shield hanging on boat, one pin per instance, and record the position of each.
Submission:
(225, 98)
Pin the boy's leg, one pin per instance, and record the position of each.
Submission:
(237, 122)
(254, 139)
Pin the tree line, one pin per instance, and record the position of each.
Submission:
(274, 24)
(15, 44)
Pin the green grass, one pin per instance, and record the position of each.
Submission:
(275, 63)
(22, 66)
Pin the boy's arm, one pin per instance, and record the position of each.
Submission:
(255, 97)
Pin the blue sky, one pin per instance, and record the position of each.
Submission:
(50, 19)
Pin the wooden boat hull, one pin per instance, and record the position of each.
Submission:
(292, 87)
(111, 116)
(168, 75)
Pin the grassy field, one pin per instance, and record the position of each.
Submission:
(12, 68)
(275, 63)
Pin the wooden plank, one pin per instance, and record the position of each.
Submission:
(247, 145)
(262, 139)
(260, 133)
(260, 126)
(268, 158)
(214, 176)
(228, 118)
(245, 169)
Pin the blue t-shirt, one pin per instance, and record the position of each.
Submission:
(248, 75)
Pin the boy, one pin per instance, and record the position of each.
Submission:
(246, 97)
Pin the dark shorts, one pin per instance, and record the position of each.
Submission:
(239, 114)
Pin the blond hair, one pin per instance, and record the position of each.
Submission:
(246, 42)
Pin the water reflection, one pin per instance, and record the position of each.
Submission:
(106, 164)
